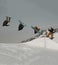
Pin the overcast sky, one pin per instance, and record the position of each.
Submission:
(40, 12)
(32, 12)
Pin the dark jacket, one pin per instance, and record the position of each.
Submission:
(21, 26)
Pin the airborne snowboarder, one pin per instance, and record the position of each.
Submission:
(36, 29)
(21, 26)
(5, 23)
(50, 33)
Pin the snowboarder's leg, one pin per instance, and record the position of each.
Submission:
(50, 35)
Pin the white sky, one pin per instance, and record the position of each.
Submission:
(42, 12)
(32, 12)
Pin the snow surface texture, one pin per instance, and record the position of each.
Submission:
(40, 51)
(22, 54)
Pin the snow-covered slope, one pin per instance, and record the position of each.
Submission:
(55, 37)
(43, 42)
(39, 51)
(22, 54)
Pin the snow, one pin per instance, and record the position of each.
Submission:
(40, 51)
(44, 43)
(22, 54)
(55, 37)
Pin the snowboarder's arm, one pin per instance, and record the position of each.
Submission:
(32, 27)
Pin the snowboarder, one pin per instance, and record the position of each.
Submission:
(50, 33)
(36, 29)
(5, 23)
(21, 26)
